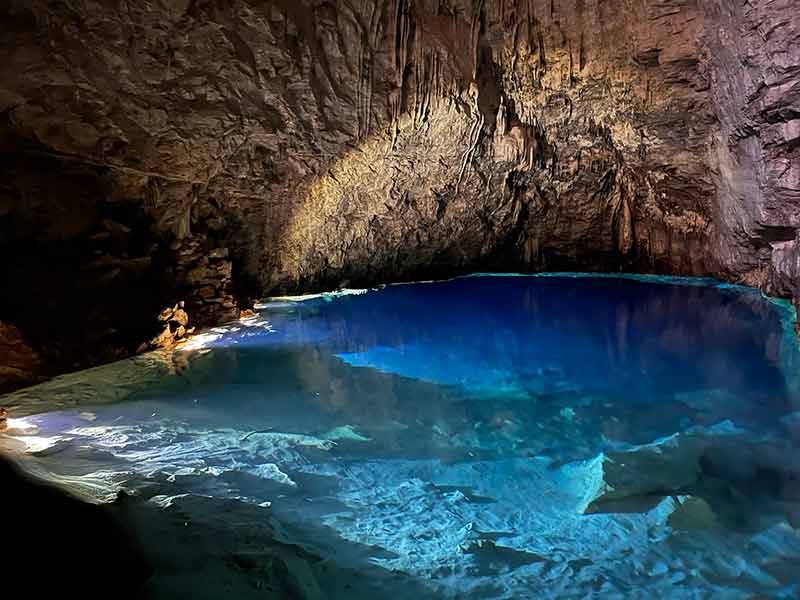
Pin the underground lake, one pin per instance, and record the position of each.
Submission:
(489, 436)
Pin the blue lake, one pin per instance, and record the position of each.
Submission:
(484, 437)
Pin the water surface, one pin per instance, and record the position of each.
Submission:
(487, 437)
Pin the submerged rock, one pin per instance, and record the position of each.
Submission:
(701, 479)
(345, 432)
(692, 513)
(632, 479)
(492, 559)
(272, 471)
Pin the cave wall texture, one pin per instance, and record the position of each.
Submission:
(208, 151)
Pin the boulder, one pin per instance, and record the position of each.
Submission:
(635, 479)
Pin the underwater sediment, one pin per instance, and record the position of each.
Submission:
(484, 437)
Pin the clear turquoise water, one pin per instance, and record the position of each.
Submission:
(490, 437)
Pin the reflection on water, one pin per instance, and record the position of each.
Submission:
(488, 435)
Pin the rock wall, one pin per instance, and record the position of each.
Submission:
(246, 147)
(755, 66)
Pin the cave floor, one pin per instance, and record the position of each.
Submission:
(484, 437)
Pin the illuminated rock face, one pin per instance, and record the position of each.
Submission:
(331, 143)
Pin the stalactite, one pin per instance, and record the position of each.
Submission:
(402, 27)
(500, 125)
(474, 136)
(475, 35)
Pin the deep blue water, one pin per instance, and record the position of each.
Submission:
(639, 340)
(490, 437)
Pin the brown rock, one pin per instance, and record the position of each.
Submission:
(218, 253)
(20, 365)
(581, 141)
(166, 314)
(114, 227)
(180, 316)
(200, 274)
(206, 291)
(166, 339)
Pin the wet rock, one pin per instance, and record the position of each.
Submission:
(175, 329)
(176, 314)
(489, 559)
(791, 423)
(701, 479)
(715, 405)
(204, 276)
(166, 339)
(692, 513)
(617, 481)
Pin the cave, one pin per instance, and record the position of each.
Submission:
(401, 298)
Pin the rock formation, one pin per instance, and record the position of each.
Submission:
(713, 470)
(208, 151)
(20, 362)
